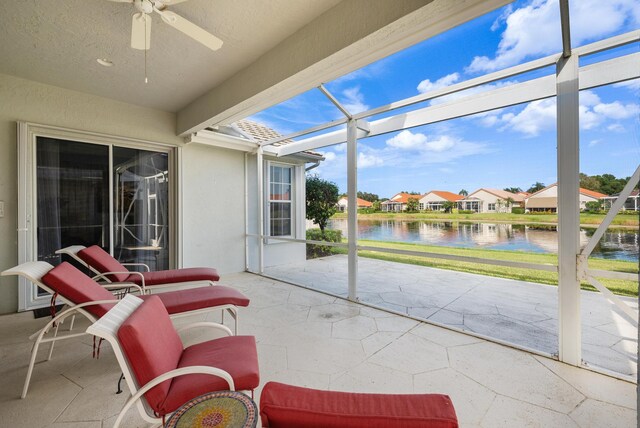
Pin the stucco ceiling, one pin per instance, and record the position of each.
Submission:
(58, 41)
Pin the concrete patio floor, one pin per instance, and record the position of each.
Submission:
(517, 312)
(312, 339)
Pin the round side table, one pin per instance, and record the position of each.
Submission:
(220, 409)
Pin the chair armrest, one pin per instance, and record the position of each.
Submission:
(214, 371)
(213, 325)
(137, 264)
(103, 275)
(116, 285)
(62, 315)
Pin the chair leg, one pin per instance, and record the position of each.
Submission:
(73, 319)
(119, 391)
(55, 334)
(34, 353)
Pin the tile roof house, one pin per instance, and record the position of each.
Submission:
(491, 200)
(343, 204)
(547, 199)
(435, 199)
(398, 202)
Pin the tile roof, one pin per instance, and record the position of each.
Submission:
(502, 194)
(583, 191)
(401, 198)
(452, 197)
(361, 202)
(259, 132)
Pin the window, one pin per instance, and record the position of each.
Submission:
(280, 200)
(492, 207)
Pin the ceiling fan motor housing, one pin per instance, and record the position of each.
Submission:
(144, 6)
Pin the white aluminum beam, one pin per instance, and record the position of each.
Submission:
(565, 28)
(335, 101)
(612, 298)
(260, 173)
(602, 73)
(615, 208)
(352, 203)
(570, 342)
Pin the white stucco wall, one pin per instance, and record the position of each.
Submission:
(213, 208)
(24, 100)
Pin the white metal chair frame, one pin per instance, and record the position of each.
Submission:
(107, 328)
(34, 271)
(73, 250)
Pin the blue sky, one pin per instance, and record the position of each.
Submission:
(512, 147)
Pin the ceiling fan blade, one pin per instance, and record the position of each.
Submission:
(168, 2)
(141, 31)
(190, 29)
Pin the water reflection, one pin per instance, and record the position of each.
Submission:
(615, 244)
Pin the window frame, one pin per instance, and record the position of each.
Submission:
(292, 198)
(27, 135)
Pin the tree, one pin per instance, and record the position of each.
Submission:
(448, 206)
(589, 182)
(463, 192)
(412, 205)
(512, 189)
(371, 197)
(377, 206)
(593, 206)
(322, 197)
(537, 186)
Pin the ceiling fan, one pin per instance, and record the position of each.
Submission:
(141, 24)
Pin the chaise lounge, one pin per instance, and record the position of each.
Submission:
(86, 297)
(108, 268)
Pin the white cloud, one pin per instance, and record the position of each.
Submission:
(367, 161)
(539, 116)
(633, 85)
(428, 86)
(534, 29)
(615, 127)
(353, 100)
(617, 110)
(441, 144)
(328, 156)
(407, 140)
(594, 142)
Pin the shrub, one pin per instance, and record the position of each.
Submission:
(329, 235)
(517, 210)
(466, 212)
(593, 206)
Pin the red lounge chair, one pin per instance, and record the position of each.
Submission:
(160, 373)
(108, 268)
(296, 407)
(86, 297)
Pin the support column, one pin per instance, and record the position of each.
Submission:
(352, 200)
(569, 323)
(260, 173)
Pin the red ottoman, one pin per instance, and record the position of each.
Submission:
(292, 406)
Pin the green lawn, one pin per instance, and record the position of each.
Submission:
(628, 288)
(585, 218)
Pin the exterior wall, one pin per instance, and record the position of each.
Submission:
(24, 100)
(430, 197)
(213, 208)
(488, 198)
(275, 252)
(343, 204)
(551, 194)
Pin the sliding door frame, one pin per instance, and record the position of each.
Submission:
(28, 134)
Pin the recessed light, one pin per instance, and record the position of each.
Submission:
(105, 62)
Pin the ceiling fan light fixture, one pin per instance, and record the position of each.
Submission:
(105, 62)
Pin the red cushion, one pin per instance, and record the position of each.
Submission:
(236, 355)
(287, 406)
(152, 346)
(77, 287)
(200, 298)
(170, 276)
(102, 261)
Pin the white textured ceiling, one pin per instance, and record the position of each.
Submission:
(58, 41)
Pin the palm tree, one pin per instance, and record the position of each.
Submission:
(463, 193)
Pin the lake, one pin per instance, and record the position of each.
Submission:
(616, 244)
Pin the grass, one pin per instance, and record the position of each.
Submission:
(622, 287)
(625, 220)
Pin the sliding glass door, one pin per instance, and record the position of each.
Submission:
(93, 193)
